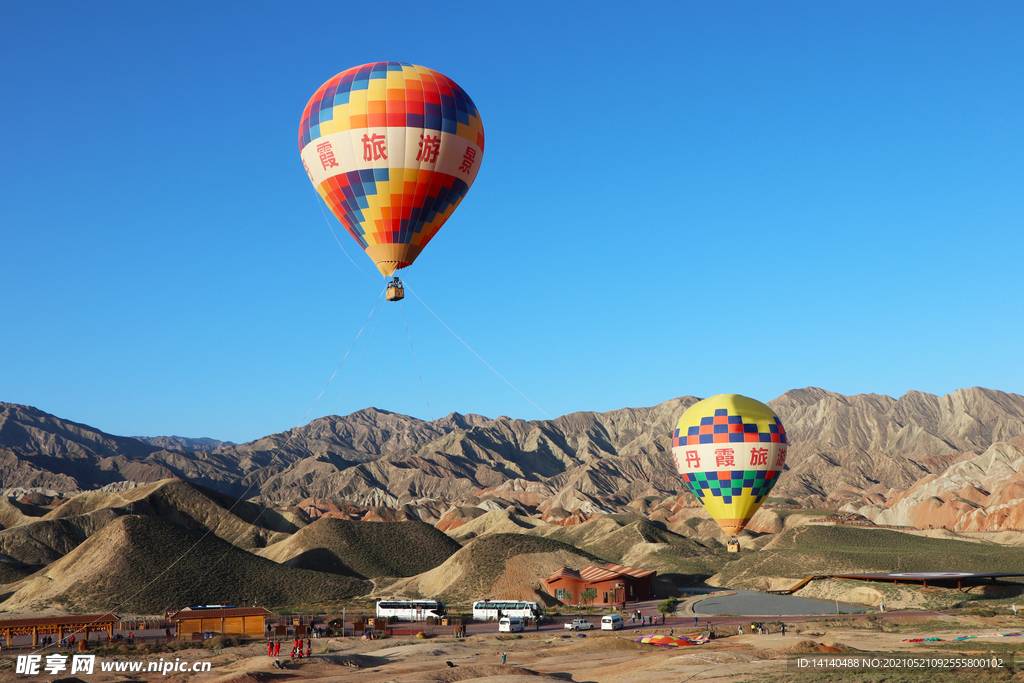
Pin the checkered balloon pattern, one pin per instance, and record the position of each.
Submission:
(392, 148)
(730, 451)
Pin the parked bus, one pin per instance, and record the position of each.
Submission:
(410, 610)
(493, 610)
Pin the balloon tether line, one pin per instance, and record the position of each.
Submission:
(319, 202)
(367, 343)
(345, 356)
(416, 362)
(475, 353)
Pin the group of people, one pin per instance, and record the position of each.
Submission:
(274, 648)
(761, 629)
(638, 616)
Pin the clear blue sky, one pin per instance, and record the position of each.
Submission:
(684, 198)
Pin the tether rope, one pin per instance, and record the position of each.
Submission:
(365, 344)
(319, 202)
(416, 362)
(346, 355)
(477, 354)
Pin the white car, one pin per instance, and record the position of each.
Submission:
(611, 622)
(579, 625)
(510, 625)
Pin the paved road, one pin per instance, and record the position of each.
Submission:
(754, 603)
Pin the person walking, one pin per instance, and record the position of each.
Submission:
(783, 628)
(695, 621)
(503, 657)
(277, 648)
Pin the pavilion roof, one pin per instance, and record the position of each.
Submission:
(65, 620)
(222, 612)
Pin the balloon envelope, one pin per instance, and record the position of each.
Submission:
(730, 451)
(392, 148)
(669, 641)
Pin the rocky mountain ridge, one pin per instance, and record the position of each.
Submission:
(858, 451)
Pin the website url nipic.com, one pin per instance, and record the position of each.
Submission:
(54, 664)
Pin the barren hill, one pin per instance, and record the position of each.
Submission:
(843, 447)
(245, 524)
(147, 565)
(983, 493)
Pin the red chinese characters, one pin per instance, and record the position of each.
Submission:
(374, 147)
(725, 457)
(692, 459)
(467, 159)
(758, 456)
(326, 156)
(781, 459)
(430, 146)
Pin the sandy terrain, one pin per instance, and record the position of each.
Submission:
(546, 657)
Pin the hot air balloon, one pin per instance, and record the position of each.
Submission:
(730, 451)
(669, 641)
(392, 148)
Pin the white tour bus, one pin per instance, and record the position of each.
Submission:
(493, 610)
(410, 610)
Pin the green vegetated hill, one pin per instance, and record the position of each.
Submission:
(500, 566)
(634, 541)
(491, 554)
(486, 560)
(148, 565)
(364, 549)
(815, 549)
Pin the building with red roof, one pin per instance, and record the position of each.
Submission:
(615, 584)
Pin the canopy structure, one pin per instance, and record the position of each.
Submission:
(958, 580)
(81, 625)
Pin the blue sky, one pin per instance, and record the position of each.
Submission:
(688, 198)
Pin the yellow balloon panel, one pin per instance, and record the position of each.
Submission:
(729, 451)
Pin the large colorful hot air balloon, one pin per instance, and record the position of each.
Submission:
(392, 148)
(730, 451)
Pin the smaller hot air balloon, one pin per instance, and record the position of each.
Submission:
(730, 451)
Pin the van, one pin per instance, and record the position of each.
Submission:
(611, 622)
(510, 625)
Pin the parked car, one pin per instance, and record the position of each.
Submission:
(611, 622)
(579, 625)
(510, 625)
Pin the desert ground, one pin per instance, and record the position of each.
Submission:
(601, 657)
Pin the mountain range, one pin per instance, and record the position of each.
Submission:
(898, 461)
